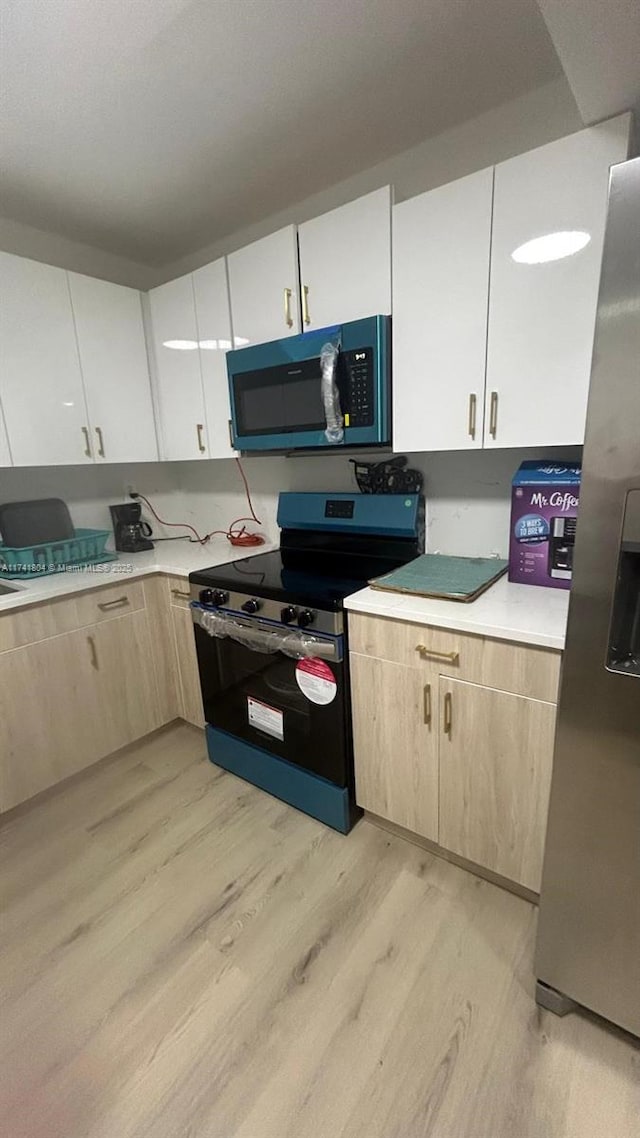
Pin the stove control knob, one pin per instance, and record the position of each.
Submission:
(206, 596)
(220, 597)
(251, 606)
(305, 618)
(288, 614)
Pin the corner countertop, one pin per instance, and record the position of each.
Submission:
(176, 557)
(525, 614)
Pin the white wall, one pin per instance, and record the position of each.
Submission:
(468, 492)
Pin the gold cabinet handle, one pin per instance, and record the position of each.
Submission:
(181, 593)
(100, 442)
(288, 318)
(426, 704)
(452, 657)
(448, 713)
(93, 654)
(199, 429)
(493, 415)
(472, 414)
(305, 304)
(87, 442)
(118, 603)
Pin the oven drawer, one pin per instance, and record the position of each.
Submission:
(521, 669)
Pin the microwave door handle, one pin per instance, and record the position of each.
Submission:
(334, 419)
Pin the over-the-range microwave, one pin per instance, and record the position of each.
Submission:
(329, 388)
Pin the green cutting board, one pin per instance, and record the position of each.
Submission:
(452, 578)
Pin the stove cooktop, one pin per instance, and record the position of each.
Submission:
(319, 581)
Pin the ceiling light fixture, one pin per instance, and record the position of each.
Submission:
(551, 247)
(181, 345)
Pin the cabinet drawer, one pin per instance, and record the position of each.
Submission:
(517, 668)
(39, 622)
(179, 591)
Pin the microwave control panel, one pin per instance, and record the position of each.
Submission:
(359, 365)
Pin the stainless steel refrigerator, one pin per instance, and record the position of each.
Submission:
(588, 949)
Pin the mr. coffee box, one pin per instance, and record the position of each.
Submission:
(544, 508)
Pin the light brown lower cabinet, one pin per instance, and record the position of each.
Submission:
(464, 761)
(495, 774)
(190, 695)
(71, 699)
(396, 744)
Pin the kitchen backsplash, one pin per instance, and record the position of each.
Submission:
(468, 492)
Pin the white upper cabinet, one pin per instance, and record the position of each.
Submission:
(345, 262)
(214, 335)
(441, 249)
(542, 313)
(40, 379)
(180, 399)
(5, 453)
(113, 358)
(263, 285)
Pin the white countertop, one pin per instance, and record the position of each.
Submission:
(526, 614)
(177, 557)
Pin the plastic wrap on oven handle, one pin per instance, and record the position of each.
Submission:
(298, 645)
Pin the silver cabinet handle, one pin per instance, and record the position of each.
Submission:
(493, 415)
(305, 304)
(118, 603)
(288, 319)
(93, 655)
(472, 415)
(87, 442)
(199, 429)
(100, 442)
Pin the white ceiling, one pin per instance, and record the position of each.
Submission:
(153, 127)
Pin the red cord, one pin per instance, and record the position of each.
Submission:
(238, 538)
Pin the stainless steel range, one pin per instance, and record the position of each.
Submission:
(271, 643)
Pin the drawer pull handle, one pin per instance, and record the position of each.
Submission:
(452, 657)
(100, 442)
(448, 713)
(87, 444)
(426, 696)
(181, 593)
(93, 655)
(199, 429)
(493, 415)
(472, 415)
(288, 319)
(119, 602)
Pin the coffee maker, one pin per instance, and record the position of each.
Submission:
(131, 533)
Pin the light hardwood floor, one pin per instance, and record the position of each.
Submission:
(185, 957)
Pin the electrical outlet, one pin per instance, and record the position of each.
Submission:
(129, 491)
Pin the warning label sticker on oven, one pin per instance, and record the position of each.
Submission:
(265, 718)
(316, 680)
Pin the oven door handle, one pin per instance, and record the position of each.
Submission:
(298, 645)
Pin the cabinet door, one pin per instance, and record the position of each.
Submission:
(113, 358)
(263, 285)
(122, 663)
(191, 707)
(345, 262)
(214, 335)
(542, 315)
(40, 379)
(5, 453)
(441, 248)
(178, 377)
(395, 744)
(50, 715)
(495, 774)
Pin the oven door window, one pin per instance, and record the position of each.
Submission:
(256, 696)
